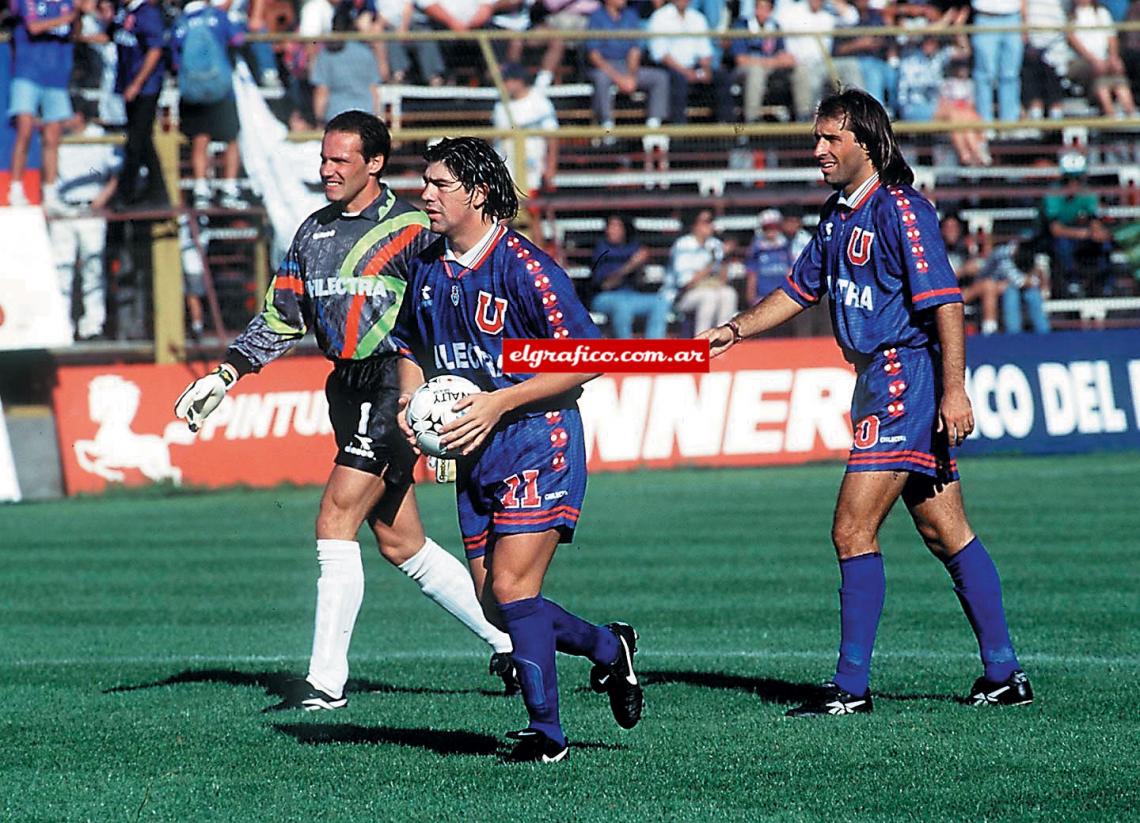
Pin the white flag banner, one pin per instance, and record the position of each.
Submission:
(33, 314)
(9, 483)
(277, 167)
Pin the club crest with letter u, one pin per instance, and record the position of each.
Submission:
(859, 246)
(490, 321)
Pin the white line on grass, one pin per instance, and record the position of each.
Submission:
(645, 656)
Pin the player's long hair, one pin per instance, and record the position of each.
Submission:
(474, 163)
(869, 122)
(373, 133)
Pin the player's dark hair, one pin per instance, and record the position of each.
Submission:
(474, 163)
(372, 131)
(866, 118)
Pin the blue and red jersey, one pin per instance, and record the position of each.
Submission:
(454, 318)
(882, 262)
(44, 58)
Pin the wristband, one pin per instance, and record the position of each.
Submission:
(227, 372)
(734, 327)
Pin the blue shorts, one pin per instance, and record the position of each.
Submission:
(529, 478)
(29, 97)
(894, 414)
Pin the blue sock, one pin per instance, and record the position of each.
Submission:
(573, 635)
(861, 596)
(978, 586)
(531, 629)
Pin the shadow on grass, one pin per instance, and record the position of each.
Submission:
(434, 740)
(768, 689)
(276, 684)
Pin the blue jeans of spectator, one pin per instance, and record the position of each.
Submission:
(624, 306)
(879, 80)
(1012, 300)
(918, 112)
(997, 63)
(720, 87)
(261, 53)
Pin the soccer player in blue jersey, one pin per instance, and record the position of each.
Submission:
(343, 277)
(521, 478)
(897, 315)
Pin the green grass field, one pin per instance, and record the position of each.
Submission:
(143, 633)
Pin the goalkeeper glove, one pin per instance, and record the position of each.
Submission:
(203, 395)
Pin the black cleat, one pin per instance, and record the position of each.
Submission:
(619, 679)
(832, 700)
(301, 694)
(535, 746)
(1014, 691)
(503, 665)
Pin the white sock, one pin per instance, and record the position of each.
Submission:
(442, 578)
(201, 188)
(989, 327)
(340, 591)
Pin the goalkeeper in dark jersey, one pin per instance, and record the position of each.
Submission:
(344, 277)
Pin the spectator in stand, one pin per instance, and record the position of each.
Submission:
(88, 174)
(246, 16)
(139, 32)
(967, 254)
(344, 75)
(798, 237)
(769, 258)
(529, 108)
(315, 19)
(696, 281)
(207, 110)
(922, 69)
(458, 16)
(617, 280)
(811, 74)
(558, 16)
(38, 92)
(616, 65)
(688, 59)
(758, 57)
(997, 58)
(1098, 65)
(395, 62)
(93, 33)
(1130, 48)
(956, 105)
(870, 52)
(1080, 241)
(1022, 278)
(1046, 60)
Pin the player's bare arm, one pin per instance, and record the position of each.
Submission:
(775, 309)
(411, 378)
(485, 410)
(955, 416)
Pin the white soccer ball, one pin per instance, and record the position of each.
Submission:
(429, 410)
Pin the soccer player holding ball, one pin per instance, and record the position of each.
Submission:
(897, 315)
(521, 473)
(344, 276)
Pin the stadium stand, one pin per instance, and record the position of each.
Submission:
(738, 170)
